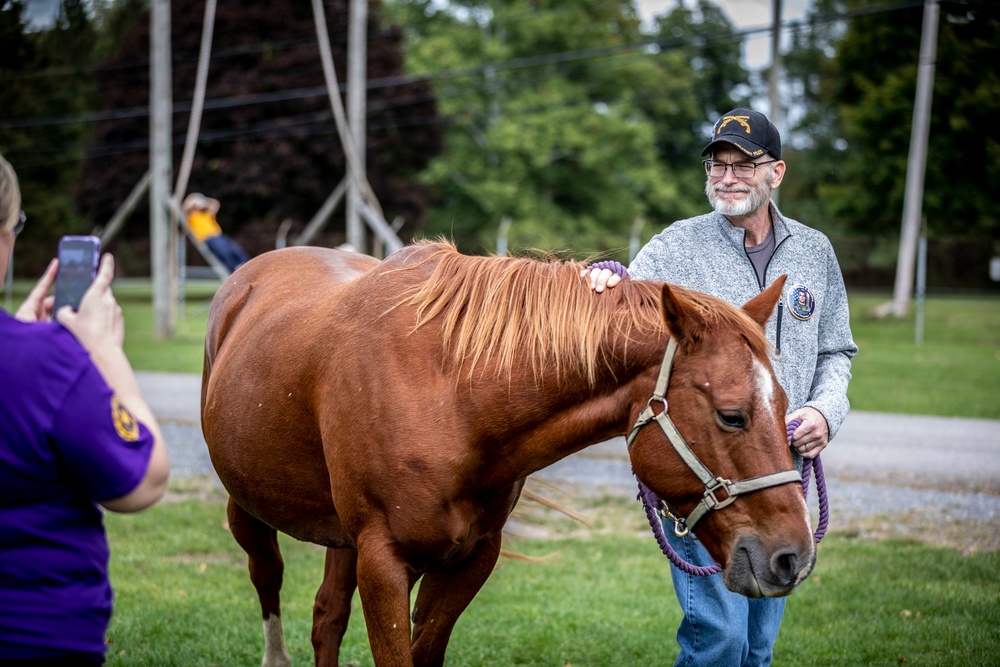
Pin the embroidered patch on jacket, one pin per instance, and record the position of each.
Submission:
(801, 302)
(125, 424)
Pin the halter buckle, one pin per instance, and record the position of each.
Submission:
(680, 528)
(715, 503)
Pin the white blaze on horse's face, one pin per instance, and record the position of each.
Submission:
(765, 384)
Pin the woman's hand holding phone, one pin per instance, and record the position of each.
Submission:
(99, 322)
(38, 307)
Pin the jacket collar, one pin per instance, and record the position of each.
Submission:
(736, 235)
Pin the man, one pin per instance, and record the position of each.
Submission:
(201, 211)
(733, 253)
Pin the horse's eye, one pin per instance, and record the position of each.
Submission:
(731, 418)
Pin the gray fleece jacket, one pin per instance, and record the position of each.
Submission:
(812, 353)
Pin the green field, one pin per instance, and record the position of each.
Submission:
(954, 372)
(600, 599)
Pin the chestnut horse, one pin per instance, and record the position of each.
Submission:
(391, 411)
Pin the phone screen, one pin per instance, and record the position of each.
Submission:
(78, 257)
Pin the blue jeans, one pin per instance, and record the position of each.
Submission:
(720, 628)
(227, 250)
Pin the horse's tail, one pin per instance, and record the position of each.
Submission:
(228, 303)
(544, 501)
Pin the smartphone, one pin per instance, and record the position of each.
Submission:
(78, 259)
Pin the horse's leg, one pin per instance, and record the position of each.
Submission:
(384, 585)
(442, 598)
(260, 541)
(332, 609)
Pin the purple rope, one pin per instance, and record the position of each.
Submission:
(824, 508)
(611, 265)
(650, 501)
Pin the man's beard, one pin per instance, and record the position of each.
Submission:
(757, 196)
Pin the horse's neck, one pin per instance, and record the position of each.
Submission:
(541, 424)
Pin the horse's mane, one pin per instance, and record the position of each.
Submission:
(541, 313)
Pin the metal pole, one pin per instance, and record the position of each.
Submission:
(502, 236)
(131, 202)
(913, 196)
(319, 220)
(356, 84)
(160, 159)
(921, 283)
(634, 237)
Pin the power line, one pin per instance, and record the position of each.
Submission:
(562, 60)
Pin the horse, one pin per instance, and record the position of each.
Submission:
(391, 411)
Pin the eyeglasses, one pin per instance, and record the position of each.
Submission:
(740, 169)
(19, 227)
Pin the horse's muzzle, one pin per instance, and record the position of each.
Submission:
(755, 572)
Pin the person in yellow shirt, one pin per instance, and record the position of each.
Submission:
(200, 211)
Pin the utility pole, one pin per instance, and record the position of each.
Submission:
(357, 82)
(160, 160)
(774, 77)
(915, 166)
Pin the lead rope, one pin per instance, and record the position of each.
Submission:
(650, 501)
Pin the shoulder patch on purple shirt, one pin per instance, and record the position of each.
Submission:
(125, 424)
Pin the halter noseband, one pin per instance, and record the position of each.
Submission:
(713, 484)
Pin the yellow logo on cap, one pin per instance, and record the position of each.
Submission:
(125, 424)
(742, 120)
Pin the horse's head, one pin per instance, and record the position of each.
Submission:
(725, 402)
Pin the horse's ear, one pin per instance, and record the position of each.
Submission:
(761, 307)
(684, 322)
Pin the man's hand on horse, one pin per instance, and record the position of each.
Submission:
(601, 278)
(812, 435)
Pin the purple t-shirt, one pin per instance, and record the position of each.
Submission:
(66, 443)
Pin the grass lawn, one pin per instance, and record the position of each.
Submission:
(954, 372)
(600, 599)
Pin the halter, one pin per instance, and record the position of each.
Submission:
(713, 484)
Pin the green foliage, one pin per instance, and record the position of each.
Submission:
(41, 77)
(566, 119)
(74, 121)
(268, 147)
(857, 79)
(183, 597)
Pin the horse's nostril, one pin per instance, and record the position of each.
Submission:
(785, 565)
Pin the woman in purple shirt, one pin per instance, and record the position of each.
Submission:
(76, 435)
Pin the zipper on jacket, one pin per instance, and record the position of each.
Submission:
(777, 335)
(777, 244)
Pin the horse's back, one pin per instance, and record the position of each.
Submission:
(287, 279)
(271, 325)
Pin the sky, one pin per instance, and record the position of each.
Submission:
(42, 11)
(744, 14)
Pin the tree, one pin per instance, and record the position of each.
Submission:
(868, 87)
(565, 118)
(43, 76)
(268, 146)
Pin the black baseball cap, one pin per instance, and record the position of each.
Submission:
(750, 131)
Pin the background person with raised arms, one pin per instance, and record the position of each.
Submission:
(201, 212)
